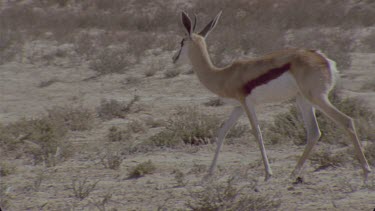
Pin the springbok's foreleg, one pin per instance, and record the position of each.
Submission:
(312, 131)
(248, 106)
(228, 124)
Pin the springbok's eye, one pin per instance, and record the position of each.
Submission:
(182, 42)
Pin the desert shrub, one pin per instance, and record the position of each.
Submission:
(171, 73)
(187, 126)
(289, 125)
(369, 85)
(238, 131)
(82, 188)
(214, 102)
(179, 176)
(141, 170)
(10, 44)
(5, 196)
(40, 177)
(74, 118)
(42, 137)
(325, 158)
(115, 109)
(116, 134)
(136, 126)
(111, 159)
(227, 196)
(286, 126)
(370, 153)
(190, 126)
(154, 123)
(110, 61)
(6, 169)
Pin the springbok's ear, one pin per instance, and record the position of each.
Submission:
(187, 23)
(211, 25)
(195, 22)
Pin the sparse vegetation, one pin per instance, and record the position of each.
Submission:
(111, 160)
(227, 196)
(82, 188)
(171, 73)
(179, 176)
(110, 61)
(214, 102)
(101, 204)
(41, 175)
(141, 170)
(6, 169)
(370, 153)
(136, 126)
(74, 118)
(290, 125)
(44, 138)
(369, 85)
(190, 126)
(48, 46)
(5, 198)
(187, 126)
(325, 158)
(116, 134)
(115, 109)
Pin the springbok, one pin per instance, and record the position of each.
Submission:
(305, 74)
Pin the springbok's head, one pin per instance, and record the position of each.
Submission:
(181, 54)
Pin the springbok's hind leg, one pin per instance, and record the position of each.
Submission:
(347, 123)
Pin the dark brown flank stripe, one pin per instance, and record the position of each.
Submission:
(265, 78)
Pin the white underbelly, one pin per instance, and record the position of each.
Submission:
(279, 89)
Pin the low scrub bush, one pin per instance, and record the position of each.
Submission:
(82, 188)
(115, 109)
(187, 126)
(227, 196)
(289, 125)
(110, 61)
(141, 170)
(44, 138)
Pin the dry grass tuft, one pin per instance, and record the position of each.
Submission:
(6, 169)
(190, 126)
(171, 73)
(44, 139)
(289, 125)
(369, 85)
(369, 151)
(74, 118)
(214, 102)
(111, 159)
(114, 109)
(141, 170)
(325, 159)
(82, 188)
(116, 134)
(110, 61)
(227, 196)
(187, 126)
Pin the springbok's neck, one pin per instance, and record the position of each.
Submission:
(209, 75)
(199, 57)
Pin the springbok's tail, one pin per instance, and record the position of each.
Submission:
(332, 66)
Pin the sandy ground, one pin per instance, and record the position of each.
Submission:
(338, 188)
